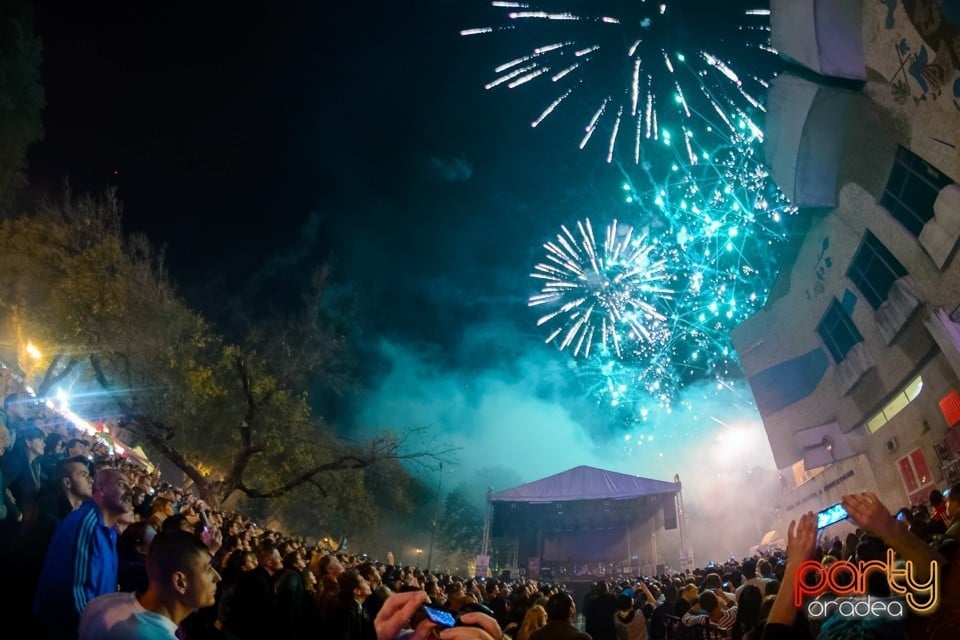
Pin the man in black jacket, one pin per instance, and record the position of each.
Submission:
(599, 614)
(348, 620)
(560, 613)
(248, 609)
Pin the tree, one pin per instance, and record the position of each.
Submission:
(460, 529)
(234, 418)
(21, 95)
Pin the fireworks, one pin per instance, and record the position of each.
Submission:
(610, 294)
(617, 67)
(664, 321)
(727, 220)
(673, 92)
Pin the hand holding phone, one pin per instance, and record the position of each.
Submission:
(439, 617)
(831, 515)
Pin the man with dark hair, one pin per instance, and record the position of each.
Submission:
(77, 447)
(81, 561)
(182, 579)
(72, 485)
(348, 620)
(379, 591)
(248, 609)
(599, 613)
(712, 614)
(22, 470)
(561, 610)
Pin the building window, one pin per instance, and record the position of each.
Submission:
(874, 270)
(838, 332)
(950, 408)
(911, 190)
(898, 403)
(915, 475)
(802, 475)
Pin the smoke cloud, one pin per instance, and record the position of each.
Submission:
(526, 412)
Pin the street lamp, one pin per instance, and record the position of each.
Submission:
(32, 351)
(419, 555)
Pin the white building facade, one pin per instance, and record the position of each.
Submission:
(854, 361)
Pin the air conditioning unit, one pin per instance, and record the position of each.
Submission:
(892, 444)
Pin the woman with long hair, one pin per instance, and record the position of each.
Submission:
(535, 618)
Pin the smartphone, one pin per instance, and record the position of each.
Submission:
(831, 515)
(439, 616)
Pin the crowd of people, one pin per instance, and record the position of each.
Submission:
(95, 546)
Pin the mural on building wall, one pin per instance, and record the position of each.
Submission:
(931, 66)
(824, 264)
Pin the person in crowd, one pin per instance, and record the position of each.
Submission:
(380, 592)
(561, 611)
(248, 609)
(52, 454)
(713, 582)
(924, 526)
(327, 569)
(939, 506)
(239, 562)
(348, 620)
(751, 573)
(534, 619)
(10, 518)
(81, 562)
(628, 622)
(870, 513)
(658, 620)
(17, 410)
(132, 549)
(293, 604)
(161, 508)
(599, 613)
(688, 598)
(181, 580)
(952, 511)
(22, 470)
(748, 612)
(77, 447)
(712, 614)
(71, 486)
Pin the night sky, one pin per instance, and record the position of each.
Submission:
(250, 138)
(256, 140)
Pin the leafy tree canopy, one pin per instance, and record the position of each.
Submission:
(235, 418)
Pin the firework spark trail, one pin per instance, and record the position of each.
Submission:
(613, 290)
(621, 56)
(701, 211)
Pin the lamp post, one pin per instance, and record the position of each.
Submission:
(419, 556)
(436, 514)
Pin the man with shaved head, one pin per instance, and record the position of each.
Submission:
(81, 562)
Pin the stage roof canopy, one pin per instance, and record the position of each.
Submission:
(585, 483)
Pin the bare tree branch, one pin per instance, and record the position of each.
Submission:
(50, 379)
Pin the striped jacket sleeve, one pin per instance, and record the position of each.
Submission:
(83, 589)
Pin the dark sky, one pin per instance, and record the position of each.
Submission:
(256, 140)
(259, 138)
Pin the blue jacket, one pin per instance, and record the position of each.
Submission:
(81, 564)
